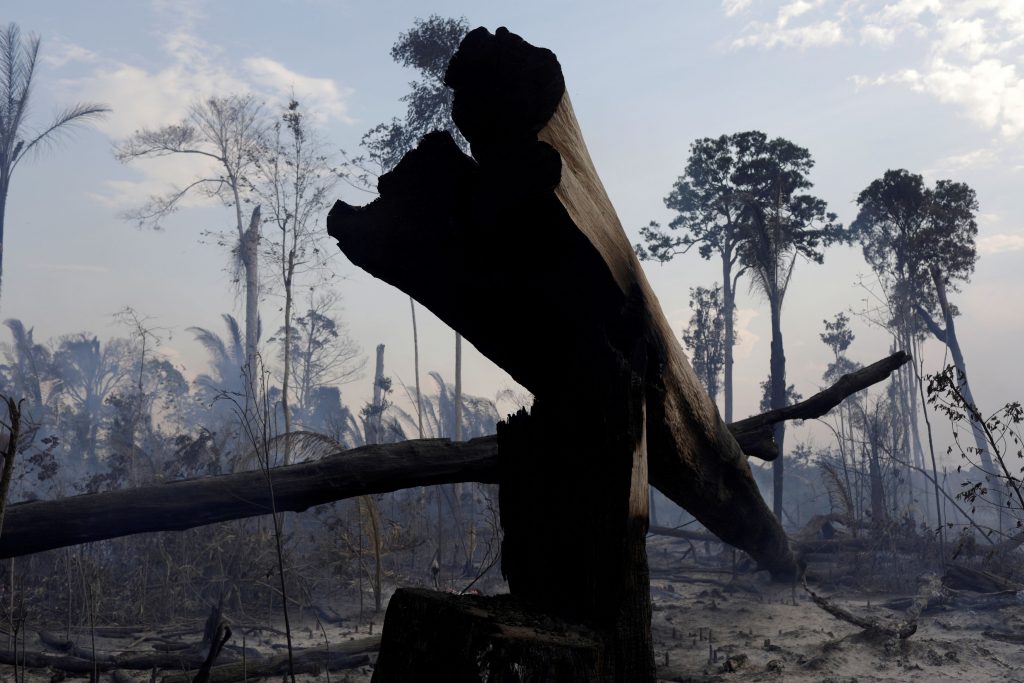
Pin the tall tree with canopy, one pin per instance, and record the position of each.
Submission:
(920, 242)
(228, 133)
(779, 224)
(17, 139)
(708, 210)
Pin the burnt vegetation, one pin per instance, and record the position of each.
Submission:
(251, 521)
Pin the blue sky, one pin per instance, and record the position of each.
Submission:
(932, 86)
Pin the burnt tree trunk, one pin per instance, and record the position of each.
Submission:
(519, 249)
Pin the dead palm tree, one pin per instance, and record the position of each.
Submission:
(17, 138)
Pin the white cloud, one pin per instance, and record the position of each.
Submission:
(58, 52)
(955, 164)
(192, 70)
(322, 96)
(968, 52)
(821, 34)
(1000, 243)
(733, 7)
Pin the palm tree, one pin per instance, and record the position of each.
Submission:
(17, 67)
(227, 358)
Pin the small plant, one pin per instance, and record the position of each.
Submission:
(999, 486)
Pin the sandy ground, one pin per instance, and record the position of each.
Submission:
(707, 627)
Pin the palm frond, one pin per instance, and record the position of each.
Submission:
(74, 115)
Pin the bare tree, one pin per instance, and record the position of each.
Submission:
(229, 132)
(17, 138)
(293, 178)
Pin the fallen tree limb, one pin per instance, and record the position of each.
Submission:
(930, 590)
(313, 660)
(42, 525)
(755, 433)
(175, 506)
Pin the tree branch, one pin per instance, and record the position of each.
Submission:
(754, 434)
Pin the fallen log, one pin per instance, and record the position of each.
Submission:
(338, 657)
(175, 506)
(43, 525)
(930, 590)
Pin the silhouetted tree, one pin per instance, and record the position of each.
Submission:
(322, 353)
(17, 139)
(709, 210)
(705, 336)
(86, 373)
(920, 241)
(780, 224)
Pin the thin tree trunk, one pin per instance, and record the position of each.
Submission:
(778, 400)
(878, 514)
(458, 387)
(4, 184)
(289, 273)
(729, 304)
(948, 336)
(250, 262)
(373, 424)
(416, 368)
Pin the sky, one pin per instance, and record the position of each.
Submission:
(933, 86)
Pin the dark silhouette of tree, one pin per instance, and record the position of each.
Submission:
(322, 353)
(792, 395)
(709, 209)
(227, 358)
(920, 242)
(780, 224)
(229, 132)
(705, 336)
(838, 336)
(17, 139)
(86, 373)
